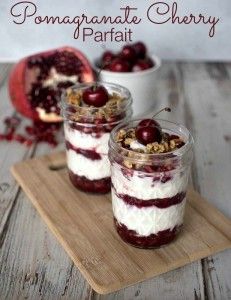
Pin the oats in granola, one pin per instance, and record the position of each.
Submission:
(74, 97)
(111, 108)
(167, 144)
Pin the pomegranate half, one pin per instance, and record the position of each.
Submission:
(36, 82)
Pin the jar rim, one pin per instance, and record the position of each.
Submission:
(179, 152)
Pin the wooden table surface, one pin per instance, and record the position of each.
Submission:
(32, 263)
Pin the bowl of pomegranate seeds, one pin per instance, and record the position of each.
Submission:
(134, 68)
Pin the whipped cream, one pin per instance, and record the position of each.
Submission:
(135, 145)
(91, 169)
(82, 140)
(143, 187)
(147, 220)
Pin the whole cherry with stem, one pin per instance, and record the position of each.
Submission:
(149, 130)
(96, 95)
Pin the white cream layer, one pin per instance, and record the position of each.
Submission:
(91, 169)
(147, 220)
(82, 140)
(144, 187)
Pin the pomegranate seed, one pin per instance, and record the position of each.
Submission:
(30, 130)
(2, 137)
(28, 142)
(19, 138)
(38, 132)
(9, 136)
(11, 131)
(12, 121)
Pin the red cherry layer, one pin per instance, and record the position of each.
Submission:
(100, 186)
(151, 241)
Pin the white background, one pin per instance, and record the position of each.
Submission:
(182, 42)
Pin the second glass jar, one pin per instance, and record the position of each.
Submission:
(149, 190)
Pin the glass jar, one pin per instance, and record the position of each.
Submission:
(87, 130)
(149, 190)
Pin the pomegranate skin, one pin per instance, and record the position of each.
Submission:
(17, 91)
(20, 81)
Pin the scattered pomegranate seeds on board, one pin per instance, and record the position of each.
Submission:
(37, 132)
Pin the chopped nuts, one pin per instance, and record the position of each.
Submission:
(128, 164)
(126, 137)
(172, 144)
(120, 135)
(110, 109)
(74, 97)
(128, 141)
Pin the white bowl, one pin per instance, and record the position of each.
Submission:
(140, 84)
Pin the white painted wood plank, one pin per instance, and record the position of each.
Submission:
(208, 91)
(33, 264)
(6, 108)
(9, 154)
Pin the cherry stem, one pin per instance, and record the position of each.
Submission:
(168, 109)
(97, 76)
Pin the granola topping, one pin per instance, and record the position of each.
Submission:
(127, 140)
(169, 143)
(80, 109)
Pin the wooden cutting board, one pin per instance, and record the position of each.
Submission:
(83, 225)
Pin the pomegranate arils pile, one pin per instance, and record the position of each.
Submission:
(38, 92)
(43, 132)
(65, 64)
(38, 132)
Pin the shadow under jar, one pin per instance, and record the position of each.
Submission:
(87, 131)
(149, 190)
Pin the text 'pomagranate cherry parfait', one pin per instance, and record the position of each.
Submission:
(150, 163)
(90, 112)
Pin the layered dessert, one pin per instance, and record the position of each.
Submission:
(150, 167)
(90, 113)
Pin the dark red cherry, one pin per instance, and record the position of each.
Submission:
(142, 64)
(95, 96)
(107, 57)
(119, 65)
(148, 134)
(150, 62)
(128, 53)
(140, 49)
(148, 122)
